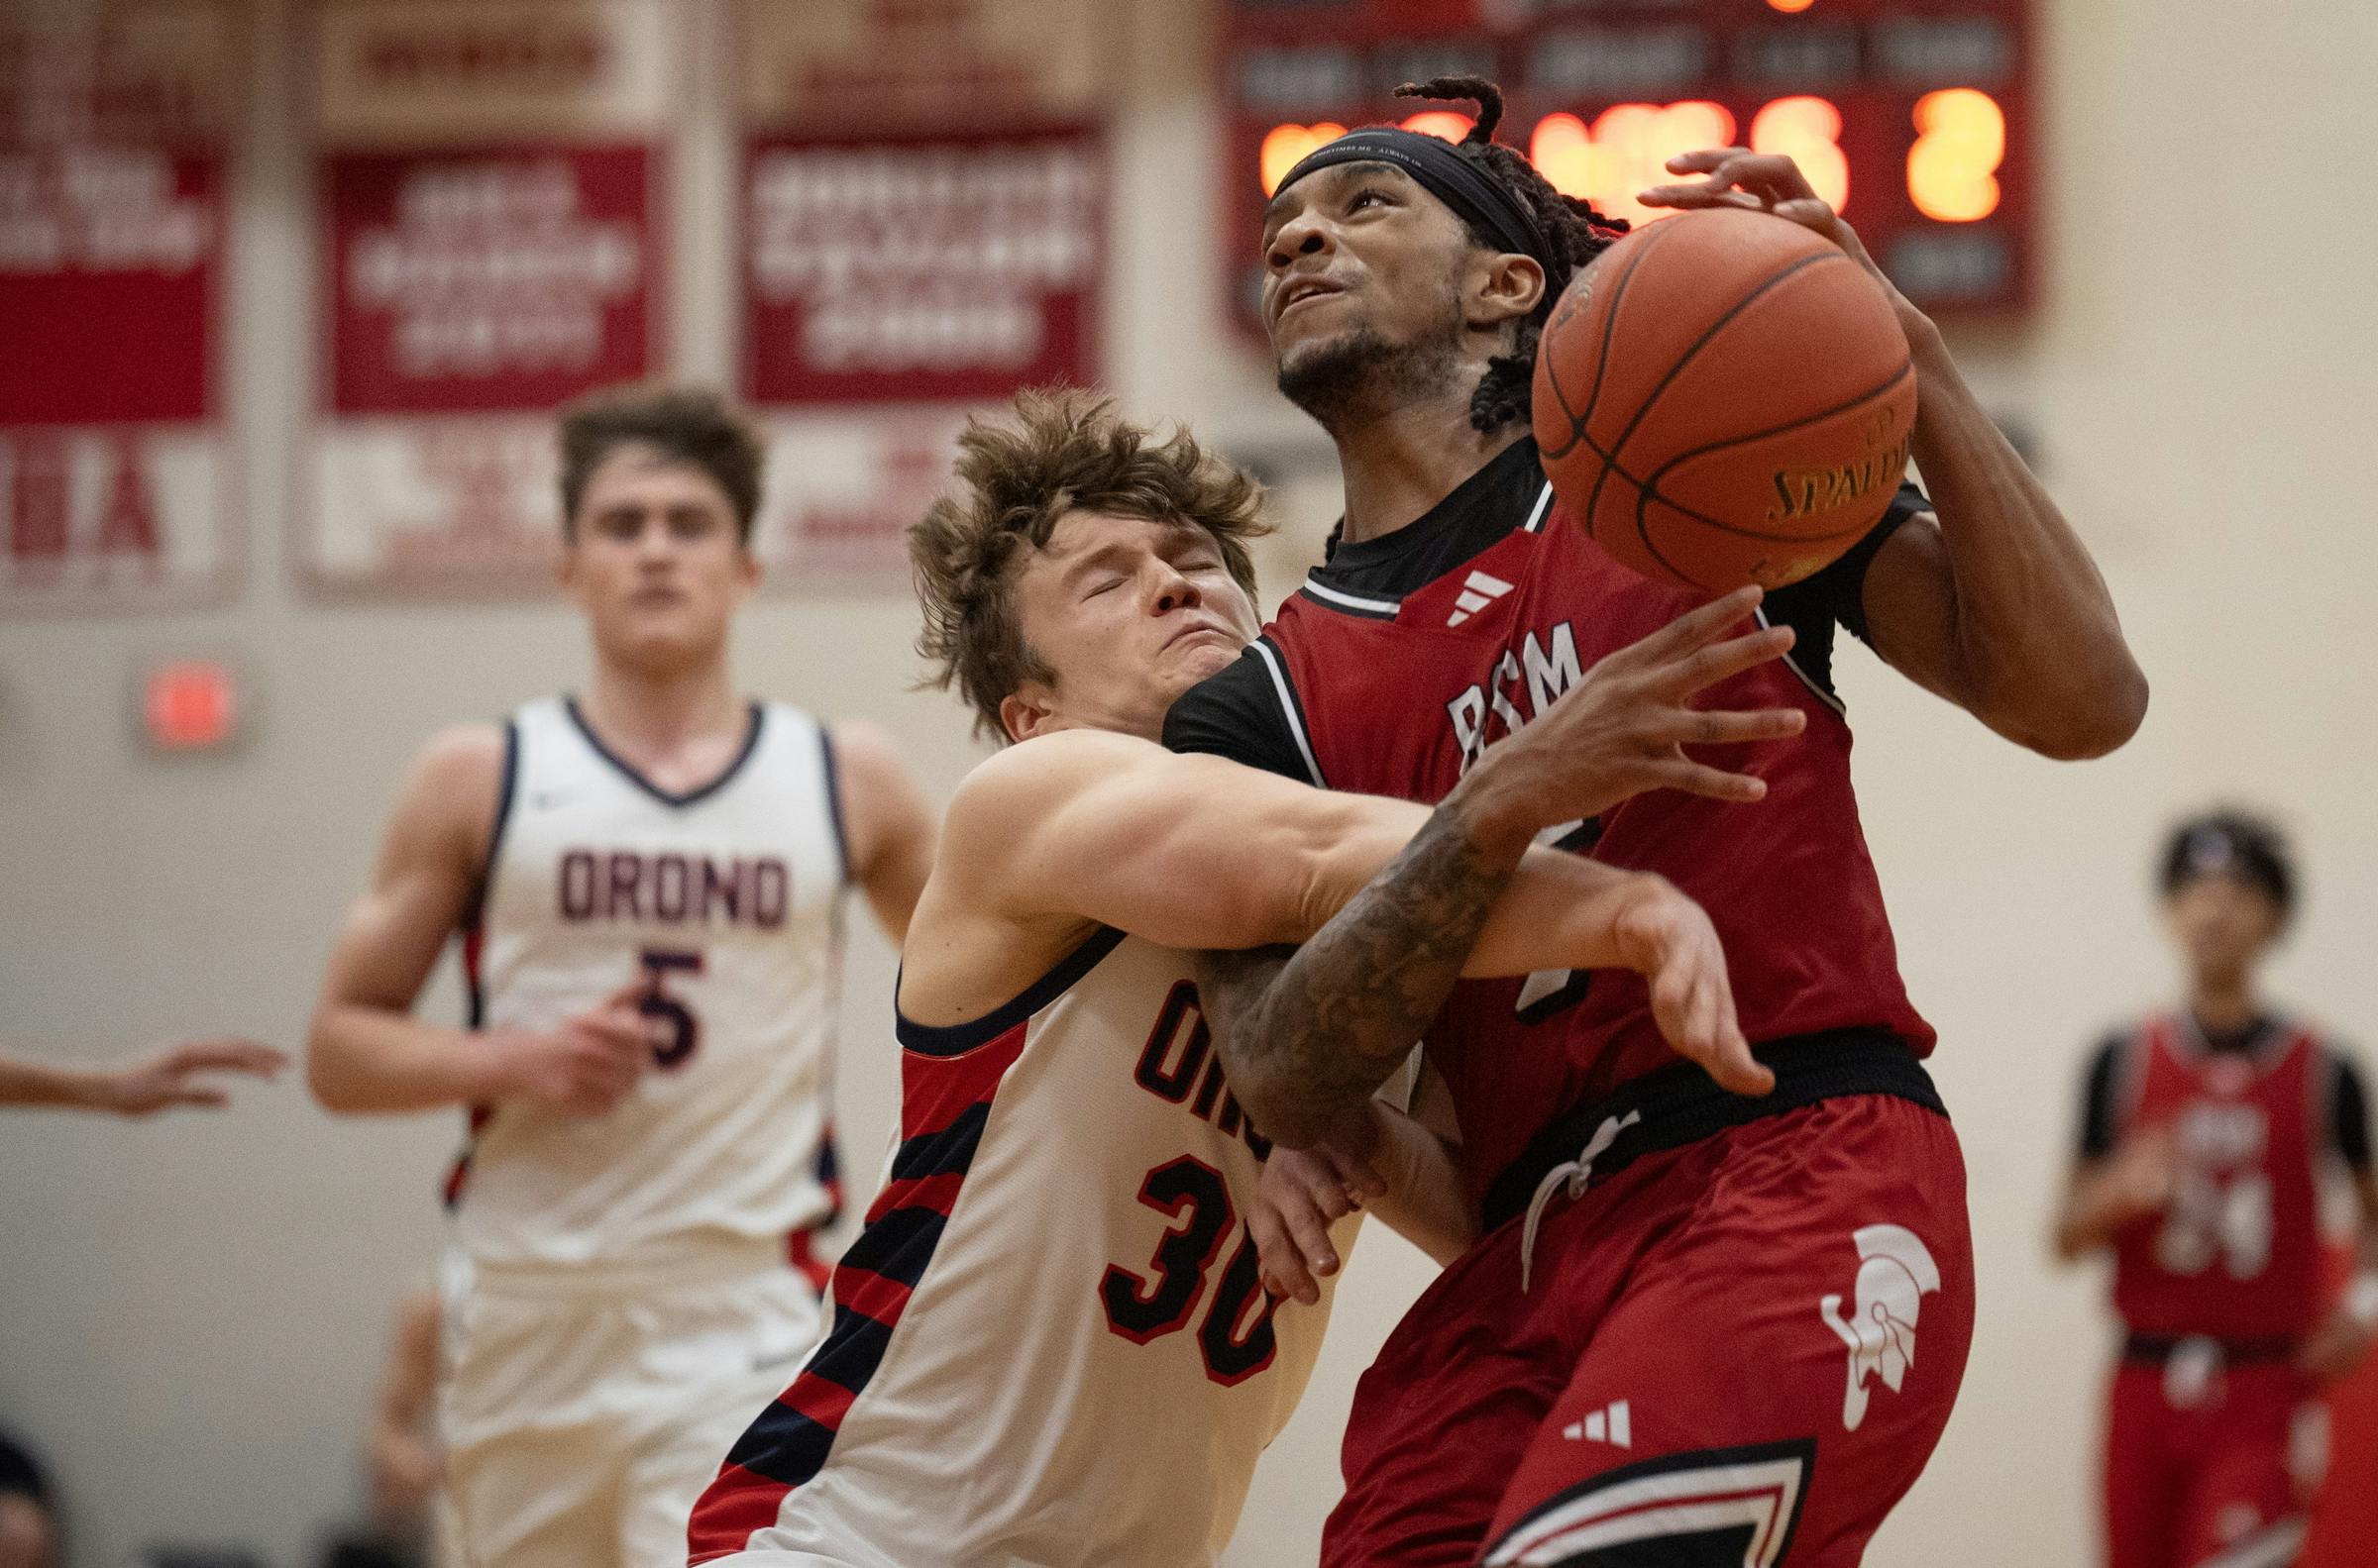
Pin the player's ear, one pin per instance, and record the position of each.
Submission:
(1027, 712)
(1505, 287)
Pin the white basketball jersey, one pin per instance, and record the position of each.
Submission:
(723, 903)
(1050, 1345)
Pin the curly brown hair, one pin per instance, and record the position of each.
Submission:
(689, 424)
(1063, 450)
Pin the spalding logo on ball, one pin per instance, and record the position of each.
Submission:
(1724, 398)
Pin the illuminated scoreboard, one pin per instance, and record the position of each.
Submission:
(1912, 117)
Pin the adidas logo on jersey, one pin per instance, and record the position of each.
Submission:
(1613, 1424)
(1477, 594)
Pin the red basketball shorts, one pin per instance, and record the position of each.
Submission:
(1739, 1351)
(2210, 1465)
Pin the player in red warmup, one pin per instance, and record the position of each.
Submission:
(2206, 1136)
(1699, 1327)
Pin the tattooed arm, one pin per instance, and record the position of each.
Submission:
(1310, 1036)
(1309, 1033)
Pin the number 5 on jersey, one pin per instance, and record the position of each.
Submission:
(1143, 1311)
(676, 1033)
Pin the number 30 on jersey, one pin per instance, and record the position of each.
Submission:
(1145, 1308)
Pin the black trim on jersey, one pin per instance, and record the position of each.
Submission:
(751, 743)
(2348, 1117)
(1836, 596)
(2159, 1348)
(1500, 499)
(833, 801)
(1717, 1546)
(956, 1039)
(1236, 713)
(2353, 1115)
(1681, 1104)
(2101, 1118)
(1476, 515)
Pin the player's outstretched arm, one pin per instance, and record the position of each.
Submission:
(889, 823)
(366, 1053)
(1995, 603)
(1196, 851)
(175, 1076)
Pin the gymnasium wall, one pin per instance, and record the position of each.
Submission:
(193, 1311)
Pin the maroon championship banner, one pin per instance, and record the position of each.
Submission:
(923, 269)
(117, 476)
(921, 220)
(492, 244)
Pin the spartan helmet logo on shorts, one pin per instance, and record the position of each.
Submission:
(1893, 1280)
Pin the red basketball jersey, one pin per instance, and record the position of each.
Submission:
(2237, 1253)
(1406, 656)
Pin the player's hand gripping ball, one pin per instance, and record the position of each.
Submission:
(1722, 398)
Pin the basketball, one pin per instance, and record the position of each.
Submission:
(1724, 398)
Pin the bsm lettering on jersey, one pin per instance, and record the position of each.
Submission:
(1536, 674)
(673, 888)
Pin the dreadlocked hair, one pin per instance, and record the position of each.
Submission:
(1573, 230)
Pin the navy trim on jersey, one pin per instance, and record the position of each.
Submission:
(789, 1447)
(475, 908)
(783, 1444)
(956, 1039)
(833, 801)
(726, 775)
(896, 1245)
(946, 1152)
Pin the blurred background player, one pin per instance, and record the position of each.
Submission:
(1407, 281)
(2208, 1135)
(647, 880)
(1053, 1343)
(177, 1076)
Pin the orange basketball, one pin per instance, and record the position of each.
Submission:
(1724, 398)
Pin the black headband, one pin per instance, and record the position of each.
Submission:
(2220, 846)
(1470, 190)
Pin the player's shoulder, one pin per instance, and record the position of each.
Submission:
(456, 789)
(462, 758)
(1032, 777)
